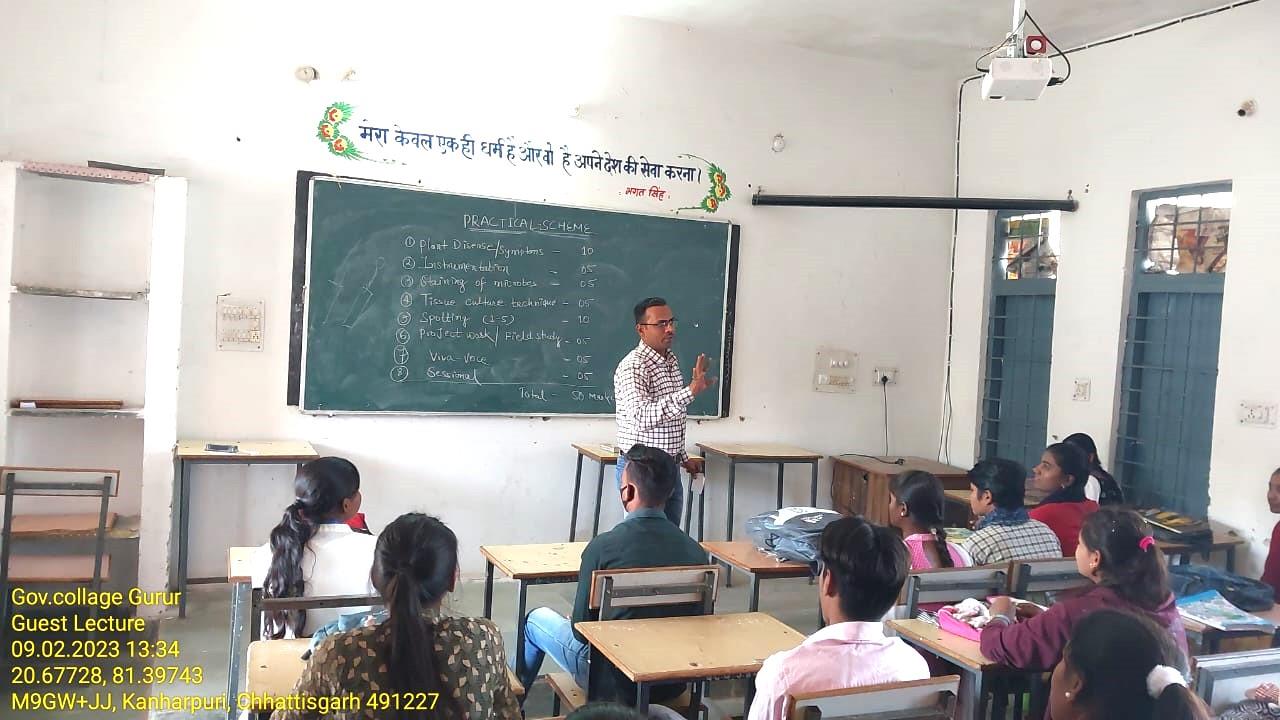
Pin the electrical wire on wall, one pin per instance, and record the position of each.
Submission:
(944, 434)
(884, 387)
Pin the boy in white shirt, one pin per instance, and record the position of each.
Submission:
(861, 569)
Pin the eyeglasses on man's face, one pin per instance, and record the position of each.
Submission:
(664, 324)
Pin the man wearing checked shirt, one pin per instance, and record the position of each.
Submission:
(652, 399)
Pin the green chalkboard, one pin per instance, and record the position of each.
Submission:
(420, 301)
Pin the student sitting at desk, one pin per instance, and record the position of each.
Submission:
(646, 538)
(1115, 551)
(861, 569)
(1120, 665)
(1063, 473)
(1005, 530)
(417, 651)
(1101, 487)
(916, 500)
(313, 552)
(1271, 570)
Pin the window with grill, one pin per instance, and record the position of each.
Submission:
(1170, 365)
(1015, 394)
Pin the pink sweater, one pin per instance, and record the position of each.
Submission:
(920, 561)
(1037, 644)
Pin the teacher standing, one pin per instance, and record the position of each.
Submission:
(652, 399)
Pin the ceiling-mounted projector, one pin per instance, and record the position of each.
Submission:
(1021, 67)
(1017, 78)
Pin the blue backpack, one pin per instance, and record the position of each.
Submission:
(1245, 593)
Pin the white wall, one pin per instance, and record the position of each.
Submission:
(1146, 112)
(209, 93)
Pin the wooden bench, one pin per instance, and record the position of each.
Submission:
(56, 568)
(570, 696)
(274, 668)
(567, 692)
(65, 525)
(951, 585)
(931, 699)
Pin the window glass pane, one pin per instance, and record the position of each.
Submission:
(1187, 234)
(1025, 248)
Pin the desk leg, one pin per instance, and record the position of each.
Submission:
(184, 527)
(176, 504)
(595, 526)
(522, 594)
(755, 593)
(642, 698)
(728, 522)
(239, 599)
(1000, 702)
(688, 506)
(695, 701)
(748, 696)
(702, 510)
(1231, 559)
(1184, 558)
(813, 486)
(978, 703)
(255, 614)
(488, 589)
(577, 487)
(782, 469)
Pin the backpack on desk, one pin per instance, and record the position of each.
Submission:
(791, 533)
(1245, 593)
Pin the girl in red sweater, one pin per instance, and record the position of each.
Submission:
(1271, 571)
(1063, 472)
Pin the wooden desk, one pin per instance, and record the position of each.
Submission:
(760, 454)
(190, 453)
(1221, 541)
(604, 454)
(1211, 638)
(957, 512)
(688, 649)
(860, 485)
(963, 653)
(542, 564)
(744, 556)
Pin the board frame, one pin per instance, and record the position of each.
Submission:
(298, 301)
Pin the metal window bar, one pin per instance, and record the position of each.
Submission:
(1170, 363)
(1015, 386)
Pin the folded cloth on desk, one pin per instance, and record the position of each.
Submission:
(971, 611)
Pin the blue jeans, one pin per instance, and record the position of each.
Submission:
(547, 632)
(675, 503)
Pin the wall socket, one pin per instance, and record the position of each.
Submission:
(1258, 414)
(1082, 390)
(885, 372)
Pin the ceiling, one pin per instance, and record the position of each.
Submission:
(924, 34)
